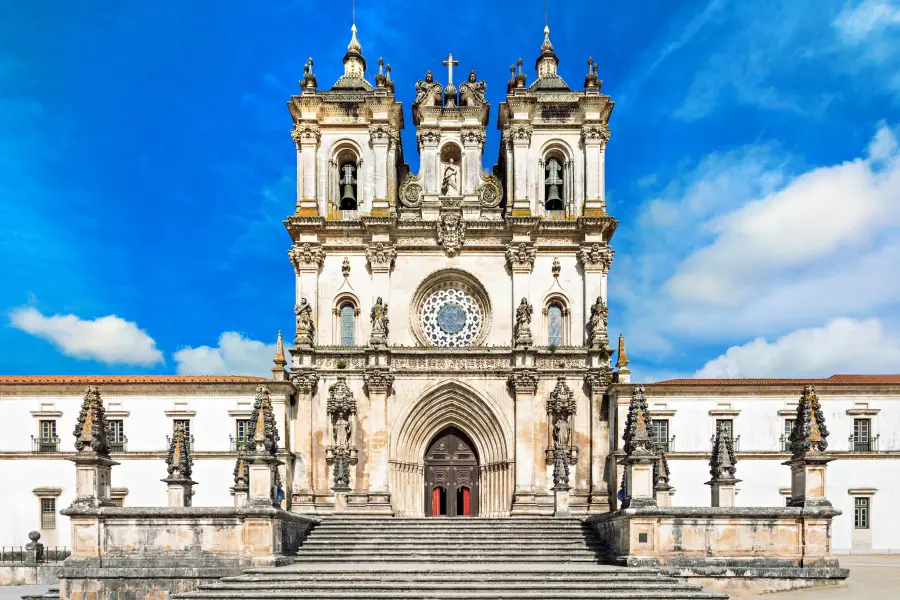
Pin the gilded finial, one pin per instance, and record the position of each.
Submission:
(354, 45)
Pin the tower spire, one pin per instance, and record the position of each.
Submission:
(354, 76)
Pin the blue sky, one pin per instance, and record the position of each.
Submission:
(146, 166)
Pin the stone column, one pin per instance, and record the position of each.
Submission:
(639, 455)
(597, 381)
(179, 464)
(520, 257)
(524, 383)
(378, 386)
(380, 135)
(428, 139)
(306, 136)
(808, 445)
(521, 138)
(473, 143)
(307, 259)
(595, 259)
(341, 454)
(722, 467)
(303, 500)
(595, 136)
(93, 477)
(380, 256)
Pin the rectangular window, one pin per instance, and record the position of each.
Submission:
(48, 430)
(118, 501)
(786, 440)
(242, 431)
(116, 431)
(659, 434)
(728, 425)
(862, 441)
(48, 513)
(861, 513)
(348, 325)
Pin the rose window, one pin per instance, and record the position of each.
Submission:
(451, 318)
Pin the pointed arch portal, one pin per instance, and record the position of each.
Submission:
(455, 408)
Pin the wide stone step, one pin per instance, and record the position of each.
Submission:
(443, 543)
(348, 577)
(436, 585)
(453, 593)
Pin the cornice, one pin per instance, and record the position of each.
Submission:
(150, 388)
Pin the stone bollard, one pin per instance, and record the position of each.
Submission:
(34, 550)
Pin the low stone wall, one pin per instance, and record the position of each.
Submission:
(29, 574)
(137, 553)
(738, 550)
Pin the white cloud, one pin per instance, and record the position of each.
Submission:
(841, 346)
(855, 24)
(235, 355)
(108, 339)
(816, 215)
(870, 31)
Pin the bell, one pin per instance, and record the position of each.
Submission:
(554, 202)
(348, 197)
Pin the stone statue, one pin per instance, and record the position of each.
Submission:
(561, 408)
(597, 326)
(522, 330)
(379, 317)
(561, 433)
(472, 92)
(428, 92)
(305, 327)
(450, 182)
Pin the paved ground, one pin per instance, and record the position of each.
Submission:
(15, 592)
(875, 577)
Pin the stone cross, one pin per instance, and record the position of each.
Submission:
(450, 63)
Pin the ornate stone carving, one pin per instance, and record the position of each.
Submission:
(523, 381)
(381, 132)
(473, 137)
(595, 133)
(410, 192)
(241, 470)
(305, 381)
(306, 256)
(561, 407)
(661, 473)
(556, 268)
(521, 256)
(621, 358)
(380, 256)
(428, 92)
(341, 407)
(809, 435)
(378, 380)
(451, 233)
(379, 318)
(450, 178)
(597, 328)
(263, 433)
(305, 133)
(596, 256)
(179, 462)
(428, 138)
(598, 380)
(520, 133)
(490, 192)
(722, 463)
(472, 92)
(305, 328)
(522, 330)
(637, 426)
(91, 428)
(345, 267)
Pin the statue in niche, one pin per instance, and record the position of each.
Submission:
(561, 434)
(597, 324)
(428, 92)
(305, 327)
(522, 331)
(472, 92)
(450, 181)
(379, 317)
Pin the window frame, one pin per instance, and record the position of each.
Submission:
(656, 429)
(43, 513)
(862, 505)
(862, 443)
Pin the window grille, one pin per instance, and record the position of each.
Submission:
(48, 513)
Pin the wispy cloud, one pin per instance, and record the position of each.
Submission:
(109, 339)
(235, 355)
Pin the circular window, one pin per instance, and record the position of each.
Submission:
(450, 311)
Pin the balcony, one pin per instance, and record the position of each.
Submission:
(735, 443)
(236, 444)
(666, 446)
(119, 445)
(863, 444)
(45, 444)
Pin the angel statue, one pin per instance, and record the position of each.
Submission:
(472, 92)
(305, 327)
(379, 316)
(428, 92)
(523, 324)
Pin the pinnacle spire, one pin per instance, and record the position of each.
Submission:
(279, 351)
(638, 425)
(354, 45)
(90, 429)
(809, 436)
(354, 76)
(547, 46)
(622, 360)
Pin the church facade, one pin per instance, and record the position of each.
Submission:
(451, 354)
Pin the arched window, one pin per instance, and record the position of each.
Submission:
(348, 324)
(348, 186)
(554, 324)
(554, 182)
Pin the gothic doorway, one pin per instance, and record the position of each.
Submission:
(451, 476)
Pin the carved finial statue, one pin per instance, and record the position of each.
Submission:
(263, 432)
(428, 92)
(809, 435)
(341, 407)
(90, 429)
(379, 317)
(722, 463)
(472, 92)
(179, 462)
(638, 425)
(661, 472)
(305, 327)
(279, 351)
(561, 407)
(597, 336)
(309, 78)
(241, 469)
(622, 359)
(522, 329)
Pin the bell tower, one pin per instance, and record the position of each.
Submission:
(348, 142)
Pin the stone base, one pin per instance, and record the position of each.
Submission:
(738, 582)
(543, 504)
(369, 504)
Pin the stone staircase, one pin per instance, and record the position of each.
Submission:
(527, 558)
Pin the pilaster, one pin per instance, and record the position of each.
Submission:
(380, 136)
(307, 259)
(521, 140)
(306, 382)
(378, 380)
(596, 259)
(523, 381)
(306, 136)
(597, 382)
(594, 136)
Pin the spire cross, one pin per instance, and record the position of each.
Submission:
(450, 63)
